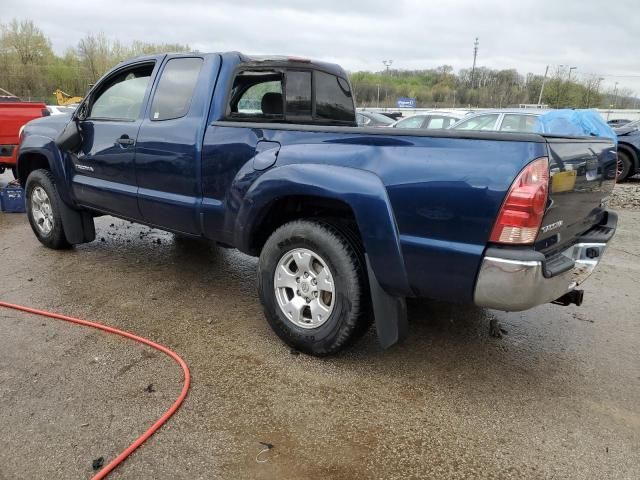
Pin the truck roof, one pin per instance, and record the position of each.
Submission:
(256, 60)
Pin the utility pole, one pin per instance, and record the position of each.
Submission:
(569, 78)
(475, 56)
(387, 65)
(615, 95)
(544, 80)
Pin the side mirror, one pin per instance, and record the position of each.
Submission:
(82, 112)
(70, 139)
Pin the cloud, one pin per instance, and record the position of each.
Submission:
(526, 35)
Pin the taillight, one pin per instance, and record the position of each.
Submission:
(522, 211)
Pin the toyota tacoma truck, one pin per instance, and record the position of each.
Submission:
(263, 154)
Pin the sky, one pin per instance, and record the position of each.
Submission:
(600, 38)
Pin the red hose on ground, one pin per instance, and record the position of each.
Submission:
(185, 388)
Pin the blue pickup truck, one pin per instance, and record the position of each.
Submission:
(263, 154)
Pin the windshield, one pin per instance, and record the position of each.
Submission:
(634, 124)
(379, 118)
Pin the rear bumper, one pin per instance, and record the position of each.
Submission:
(514, 279)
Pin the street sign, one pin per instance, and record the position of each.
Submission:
(406, 102)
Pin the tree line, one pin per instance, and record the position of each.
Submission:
(484, 87)
(31, 70)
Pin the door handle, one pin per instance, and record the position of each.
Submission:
(125, 140)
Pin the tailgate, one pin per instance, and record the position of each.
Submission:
(582, 176)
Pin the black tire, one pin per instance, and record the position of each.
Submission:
(351, 313)
(625, 167)
(56, 238)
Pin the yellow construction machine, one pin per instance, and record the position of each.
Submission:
(64, 99)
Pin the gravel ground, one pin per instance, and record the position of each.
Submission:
(556, 397)
(627, 195)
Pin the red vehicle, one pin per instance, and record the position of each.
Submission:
(14, 114)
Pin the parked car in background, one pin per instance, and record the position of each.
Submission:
(392, 115)
(629, 148)
(516, 120)
(618, 122)
(14, 114)
(61, 110)
(373, 119)
(429, 120)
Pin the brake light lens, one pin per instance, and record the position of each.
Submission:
(522, 211)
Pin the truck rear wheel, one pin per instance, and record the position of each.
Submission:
(312, 285)
(43, 209)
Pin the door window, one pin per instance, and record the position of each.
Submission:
(175, 89)
(518, 123)
(411, 122)
(122, 96)
(481, 122)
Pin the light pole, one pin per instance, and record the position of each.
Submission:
(387, 65)
(615, 95)
(569, 79)
(544, 79)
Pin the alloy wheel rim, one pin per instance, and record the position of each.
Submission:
(304, 288)
(41, 211)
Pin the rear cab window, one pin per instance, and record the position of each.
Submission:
(284, 95)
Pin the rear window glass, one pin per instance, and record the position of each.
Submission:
(257, 94)
(298, 94)
(175, 89)
(333, 98)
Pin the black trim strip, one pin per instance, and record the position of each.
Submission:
(392, 132)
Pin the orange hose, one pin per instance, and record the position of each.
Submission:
(142, 438)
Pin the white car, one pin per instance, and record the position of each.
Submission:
(430, 120)
(61, 110)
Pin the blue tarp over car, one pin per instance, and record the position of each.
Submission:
(575, 123)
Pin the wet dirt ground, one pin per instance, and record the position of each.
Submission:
(557, 397)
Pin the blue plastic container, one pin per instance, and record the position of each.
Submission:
(12, 199)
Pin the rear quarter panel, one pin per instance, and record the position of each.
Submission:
(445, 192)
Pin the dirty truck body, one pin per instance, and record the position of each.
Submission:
(263, 154)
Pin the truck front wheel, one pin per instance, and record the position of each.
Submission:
(312, 285)
(43, 209)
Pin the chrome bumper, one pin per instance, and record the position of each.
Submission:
(513, 284)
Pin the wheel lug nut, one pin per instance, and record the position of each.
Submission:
(314, 282)
(298, 279)
(315, 294)
(306, 274)
(298, 292)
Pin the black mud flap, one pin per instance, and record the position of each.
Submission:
(78, 225)
(390, 312)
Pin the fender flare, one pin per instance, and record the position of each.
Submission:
(78, 224)
(361, 190)
(44, 147)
